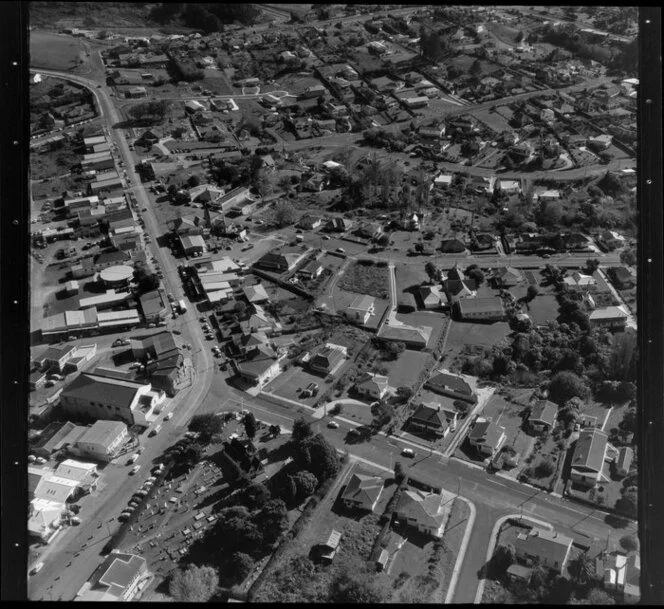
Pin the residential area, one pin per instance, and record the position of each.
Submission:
(333, 303)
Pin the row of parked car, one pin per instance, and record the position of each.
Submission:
(142, 493)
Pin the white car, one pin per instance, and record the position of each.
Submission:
(333, 425)
(133, 458)
(168, 417)
(134, 470)
(408, 452)
(37, 568)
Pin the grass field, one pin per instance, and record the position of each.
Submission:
(54, 51)
(366, 279)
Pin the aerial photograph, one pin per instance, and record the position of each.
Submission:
(333, 303)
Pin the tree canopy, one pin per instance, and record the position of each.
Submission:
(193, 584)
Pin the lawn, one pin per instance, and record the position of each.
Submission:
(542, 309)
(368, 279)
(493, 120)
(484, 335)
(54, 51)
(405, 370)
(290, 383)
(410, 276)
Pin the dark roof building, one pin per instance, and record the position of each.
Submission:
(543, 415)
(452, 386)
(362, 491)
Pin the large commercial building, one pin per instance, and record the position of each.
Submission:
(100, 398)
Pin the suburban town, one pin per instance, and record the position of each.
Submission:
(333, 303)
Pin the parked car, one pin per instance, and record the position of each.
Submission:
(333, 425)
(133, 459)
(408, 452)
(134, 469)
(168, 417)
(37, 568)
(155, 430)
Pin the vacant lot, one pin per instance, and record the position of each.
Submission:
(493, 120)
(54, 51)
(404, 371)
(368, 279)
(463, 333)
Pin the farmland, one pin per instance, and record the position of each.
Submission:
(54, 51)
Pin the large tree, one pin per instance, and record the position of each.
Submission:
(566, 385)
(305, 484)
(301, 430)
(250, 425)
(193, 584)
(208, 425)
(284, 214)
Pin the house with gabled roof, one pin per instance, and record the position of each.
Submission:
(622, 573)
(362, 492)
(432, 297)
(260, 365)
(590, 453)
(543, 416)
(547, 548)
(255, 293)
(427, 512)
(433, 418)
(452, 386)
(481, 309)
(487, 438)
(507, 277)
(361, 309)
(374, 386)
(328, 359)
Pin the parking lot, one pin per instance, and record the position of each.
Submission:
(289, 385)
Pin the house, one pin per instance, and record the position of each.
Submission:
(45, 519)
(622, 573)
(56, 356)
(154, 346)
(374, 386)
(543, 416)
(117, 579)
(328, 546)
(547, 548)
(433, 419)
(37, 380)
(310, 270)
(611, 317)
(451, 386)
(255, 293)
(85, 474)
(600, 142)
(487, 437)
(507, 277)
(338, 225)
(137, 92)
(328, 359)
(154, 306)
(427, 512)
(248, 342)
(281, 261)
(611, 240)
(621, 277)
(414, 337)
(192, 245)
(623, 462)
(100, 398)
(362, 492)
(260, 366)
(369, 230)
(481, 309)
(309, 222)
(102, 441)
(577, 279)
(432, 297)
(237, 196)
(590, 453)
(361, 309)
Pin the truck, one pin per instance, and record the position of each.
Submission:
(182, 306)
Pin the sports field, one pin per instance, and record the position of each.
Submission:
(53, 51)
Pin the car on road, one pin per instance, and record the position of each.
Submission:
(132, 459)
(333, 425)
(341, 250)
(176, 331)
(326, 238)
(546, 255)
(155, 430)
(124, 516)
(168, 417)
(408, 452)
(134, 470)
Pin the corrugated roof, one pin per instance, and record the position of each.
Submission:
(93, 388)
(590, 450)
(103, 433)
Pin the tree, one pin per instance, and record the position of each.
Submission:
(544, 468)
(628, 504)
(432, 272)
(242, 565)
(250, 425)
(193, 584)
(399, 473)
(284, 214)
(305, 484)
(301, 430)
(592, 264)
(582, 569)
(208, 425)
(503, 557)
(193, 181)
(628, 256)
(395, 348)
(383, 413)
(256, 495)
(566, 385)
(404, 393)
(595, 597)
(476, 68)
(474, 272)
(532, 292)
(318, 456)
(272, 519)
(550, 214)
(629, 543)
(275, 430)
(355, 587)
